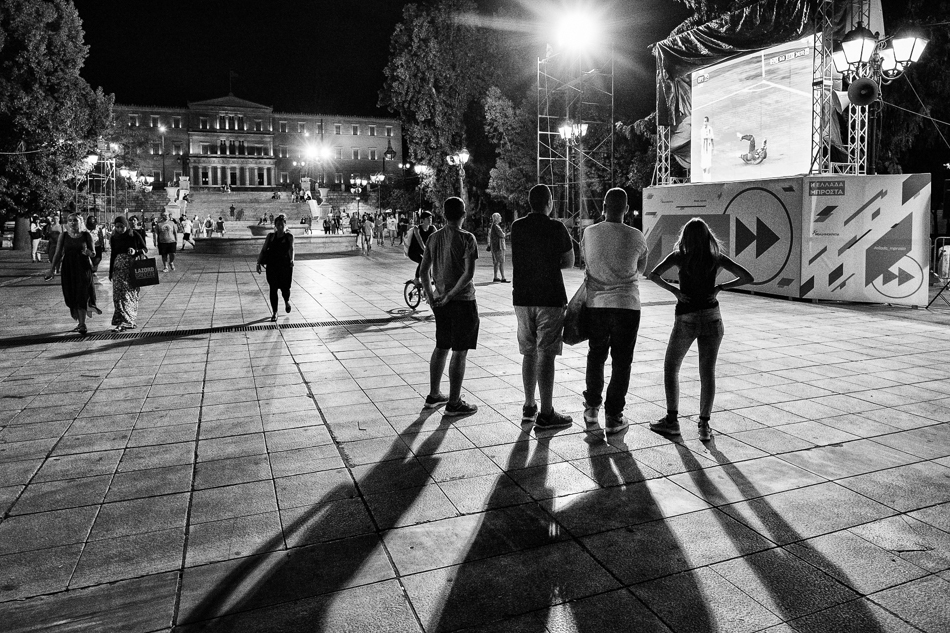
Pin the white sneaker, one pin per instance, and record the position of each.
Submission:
(591, 414)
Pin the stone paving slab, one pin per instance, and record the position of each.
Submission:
(209, 471)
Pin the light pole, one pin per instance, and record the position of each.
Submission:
(572, 134)
(460, 158)
(161, 128)
(420, 170)
(356, 187)
(129, 176)
(377, 179)
(867, 61)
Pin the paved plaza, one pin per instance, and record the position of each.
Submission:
(210, 471)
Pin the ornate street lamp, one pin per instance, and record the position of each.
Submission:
(356, 187)
(459, 158)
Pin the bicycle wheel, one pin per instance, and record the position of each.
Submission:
(412, 294)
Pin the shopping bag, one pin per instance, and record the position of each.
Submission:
(144, 272)
(42, 247)
(575, 319)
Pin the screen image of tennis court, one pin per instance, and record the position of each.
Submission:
(765, 94)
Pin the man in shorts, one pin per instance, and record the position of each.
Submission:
(449, 260)
(167, 241)
(540, 248)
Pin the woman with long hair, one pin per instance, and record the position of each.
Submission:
(699, 257)
(277, 257)
(74, 251)
(496, 243)
(125, 245)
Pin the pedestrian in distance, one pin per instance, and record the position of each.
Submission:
(187, 226)
(74, 251)
(616, 257)
(277, 258)
(449, 260)
(496, 244)
(209, 225)
(219, 226)
(698, 256)
(35, 236)
(368, 229)
(416, 242)
(54, 230)
(125, 246)
(95, 231)
(167, 241)
(540, 248)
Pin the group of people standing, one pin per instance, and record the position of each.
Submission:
(616, 260)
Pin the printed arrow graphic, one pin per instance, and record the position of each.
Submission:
(765, 238)
(903, 277)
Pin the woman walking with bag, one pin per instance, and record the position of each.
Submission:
(496, 244)
(699, 257)
(74, 251)
(277, 256)
(125, 246)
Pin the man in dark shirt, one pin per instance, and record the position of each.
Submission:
(540, 248)
(449, 260)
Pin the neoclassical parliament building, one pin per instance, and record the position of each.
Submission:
(248, 146)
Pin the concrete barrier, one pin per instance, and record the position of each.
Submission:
(251, 245)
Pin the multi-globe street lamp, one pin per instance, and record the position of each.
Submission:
(356, 187)
(572, 133)
(377, 179)
(459, 158)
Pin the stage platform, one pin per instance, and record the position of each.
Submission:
(237, 242)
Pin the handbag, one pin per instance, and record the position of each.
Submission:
(575, 319)
(143, 272)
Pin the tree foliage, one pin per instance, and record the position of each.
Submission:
(438, 68)
(512, 129)
(50, 118)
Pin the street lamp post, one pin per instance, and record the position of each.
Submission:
(356, 187)
(161, 128)
(573, 135)
(420, 170)
(459, 158)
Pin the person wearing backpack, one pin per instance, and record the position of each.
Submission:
(35, 236)
(415, 246)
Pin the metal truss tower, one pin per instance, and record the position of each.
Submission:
(580, 168)
(822, 86)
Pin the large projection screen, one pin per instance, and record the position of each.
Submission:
(751, 116)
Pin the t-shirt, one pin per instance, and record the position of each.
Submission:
(447, 249)
(186, 226)
(368, 227)
(616, 256)
(699, 288)
(537, 244)
(167, 232)
(391, 224)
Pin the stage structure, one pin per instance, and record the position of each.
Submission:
(100, 191)
(575, 98)
(778, 176)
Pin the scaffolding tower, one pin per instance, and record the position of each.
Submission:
(578, 169)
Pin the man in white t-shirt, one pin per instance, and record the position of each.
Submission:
(186, 227)
(616, 257)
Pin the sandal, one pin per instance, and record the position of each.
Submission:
(82, 330)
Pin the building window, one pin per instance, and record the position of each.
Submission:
(176, 122)
(153, 121)
(204, 176)
(176, 149)
(355, 129)
(284, 178)
(338, 178)
(231, 123)
(282, 126)
(205, 148)
(372, 154)
(339, 153)
(241, 124)
(338, 128)
(133, 120)
(320, 128)
(301, 127)
(372, 130)
(157, 175)
(356, 153)
(389, 130)
(258, 125)
(156, 149)
(203, 123)
(282, 152)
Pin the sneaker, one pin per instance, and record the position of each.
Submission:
(705, 433)
(165, 270)
(553, 420)
(172, 266)
(434, 401)
(459, 408)
(616, 423)
(591, 414)
(529, 413)
(664, 426)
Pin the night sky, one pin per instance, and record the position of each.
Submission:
(315, 56)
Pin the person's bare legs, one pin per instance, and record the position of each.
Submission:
(529, 378)
(545, 373)
(436, 368)
(456, 375)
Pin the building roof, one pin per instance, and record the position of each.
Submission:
(229, 101)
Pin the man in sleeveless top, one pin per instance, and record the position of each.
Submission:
(616, 256)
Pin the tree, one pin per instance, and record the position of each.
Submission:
(512, 129)
(50, 118)
(438, 68)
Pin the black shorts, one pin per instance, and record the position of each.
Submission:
(166, 248)
(456, 325)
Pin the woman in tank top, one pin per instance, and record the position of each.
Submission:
(698, 256)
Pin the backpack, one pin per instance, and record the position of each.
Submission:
(406, 243)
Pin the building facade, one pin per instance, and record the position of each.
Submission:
(247, 146)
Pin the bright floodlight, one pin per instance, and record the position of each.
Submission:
(310, 152)
(325, 153)
(576, 31)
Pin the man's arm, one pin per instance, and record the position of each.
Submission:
(567, 257)
(467, 274)
(424, 269)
